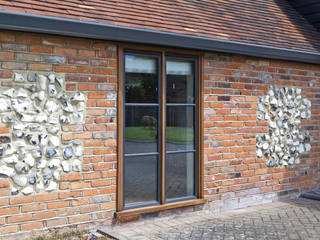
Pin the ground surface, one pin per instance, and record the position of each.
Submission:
(298, 219)
(75, 235)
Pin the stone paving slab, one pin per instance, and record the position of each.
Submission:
(290, 220)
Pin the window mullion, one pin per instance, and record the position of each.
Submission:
(163, 125)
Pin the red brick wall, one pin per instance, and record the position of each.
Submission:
(90, 67)
(232, 85)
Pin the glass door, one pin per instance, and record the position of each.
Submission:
(141, 129)
(180, 167)
(160, 156)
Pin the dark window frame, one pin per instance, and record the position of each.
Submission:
(163, 204)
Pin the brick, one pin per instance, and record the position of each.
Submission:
(100, 183)
(43, 215)
(66, 137)
(95, 112)
(4, 202)
(86, 53)
(107, 206)
(93, 143)
(56, 222)
(14, 47)
(98, 79)
(90, 176)
(58, 204)
(9, 210)
(31, 226)
(54, 41)
(79, 43)
(27, 57)
(94, 159)
(112, 174)
(71, 177)
(6, 74)
(72, 194)
(86, 135)
(65, 68)
(8, 229)
(71, 86)
(88, 209)
(53, 59)
(4, 130)
(20, 200)
(7, 37)
(90, 192)
(20, 218)
(33, 207)
(14, 65)
(78, 219)
(40, 49)
(86, 87)
(4, 184)
(28, 38)
(106, 103)
(6, 56)
(78, 61)
(99, 62)
(46, 197)
(96, 95)
(40, 67)
(79, 185)
(66, 51)
(80, 201)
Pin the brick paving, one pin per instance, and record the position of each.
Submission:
(296, 219)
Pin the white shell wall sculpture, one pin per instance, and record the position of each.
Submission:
(35, 109)
(283, 108)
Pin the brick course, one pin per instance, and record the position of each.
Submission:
(233, 174)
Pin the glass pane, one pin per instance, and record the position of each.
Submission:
(179, 175)
(141, 79)
(141, 129)
(180, 128)
(140, 179)
(180, 81)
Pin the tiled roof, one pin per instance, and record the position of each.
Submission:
(263, 22)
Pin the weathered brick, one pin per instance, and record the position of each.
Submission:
(14, 65)
(14, 47)
(53, 59)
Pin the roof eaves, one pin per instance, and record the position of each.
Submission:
(76, 28)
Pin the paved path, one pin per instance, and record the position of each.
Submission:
(298, 219)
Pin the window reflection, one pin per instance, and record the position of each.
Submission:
(179, 175)
(179, 81)
(141, 131)
(140, 179)
(141, 79)
(180, 128)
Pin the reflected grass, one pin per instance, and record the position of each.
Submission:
(173, 134)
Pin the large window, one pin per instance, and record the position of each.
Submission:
(159, 159)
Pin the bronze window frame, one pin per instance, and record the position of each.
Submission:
(120, 211)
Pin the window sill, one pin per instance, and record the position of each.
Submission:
(151, 209)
